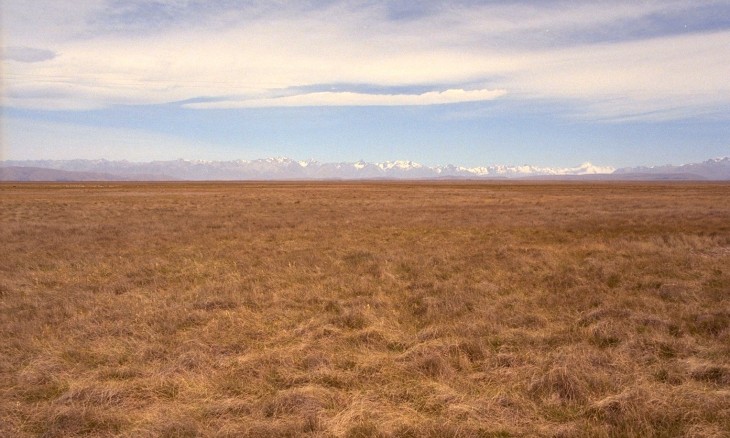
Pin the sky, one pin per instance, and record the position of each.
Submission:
(551, 83)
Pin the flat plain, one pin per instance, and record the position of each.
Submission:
(403, 309)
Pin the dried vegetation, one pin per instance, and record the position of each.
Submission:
(358, 310)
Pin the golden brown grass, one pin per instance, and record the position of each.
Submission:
(356, 310)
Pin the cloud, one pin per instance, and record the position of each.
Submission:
(610, 59)
(347, 98)
(669, 76)
(27, 54)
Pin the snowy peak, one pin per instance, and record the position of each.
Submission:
(528, 170)
(400, 165)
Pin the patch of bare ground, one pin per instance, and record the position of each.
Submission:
(365, 310)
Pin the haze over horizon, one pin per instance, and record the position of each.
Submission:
(468, 83)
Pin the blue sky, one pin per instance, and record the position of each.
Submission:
(553, 83)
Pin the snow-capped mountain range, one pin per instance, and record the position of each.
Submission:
(289, 169)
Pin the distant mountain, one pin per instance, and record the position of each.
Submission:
(288, 169)
(18, 173)
(714, 169)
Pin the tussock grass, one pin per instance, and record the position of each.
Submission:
(365, 310)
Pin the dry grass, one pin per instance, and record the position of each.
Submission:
(357, 310)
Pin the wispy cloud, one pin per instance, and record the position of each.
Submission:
(611, 59)
(27, 54)
(675, 76)
(346, 98)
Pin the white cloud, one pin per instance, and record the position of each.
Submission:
(670, 76)
(329, 98)
(242, 58)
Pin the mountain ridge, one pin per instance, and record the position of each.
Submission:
(283, 168)
(713, 169)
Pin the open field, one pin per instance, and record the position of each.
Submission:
(365, 309)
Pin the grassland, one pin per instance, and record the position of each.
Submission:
(355, 310)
